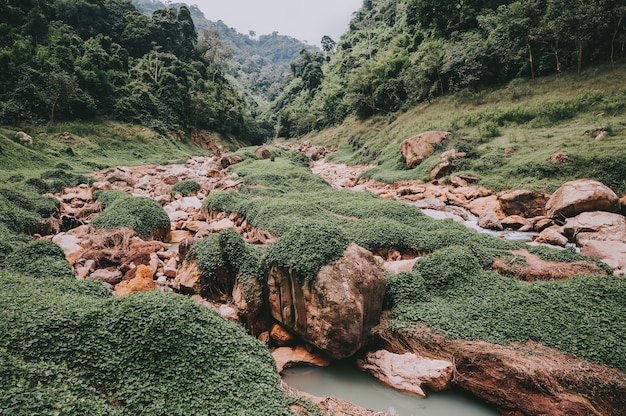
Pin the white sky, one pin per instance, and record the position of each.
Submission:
(305, 20)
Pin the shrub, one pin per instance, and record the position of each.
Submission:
(186, 188)
(39, 259)
(9, 241)
(142, 214)
(45, 206)
(171, 355)
(107, 198)
(447, 268)
(231, 202)
(306, 248)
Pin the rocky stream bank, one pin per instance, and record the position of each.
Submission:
(303, 324)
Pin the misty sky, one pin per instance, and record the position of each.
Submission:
(302, 19)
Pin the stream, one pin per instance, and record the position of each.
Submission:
(345, 381)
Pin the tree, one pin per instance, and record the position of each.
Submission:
(329, 46)
(215, 53)
(59, 88)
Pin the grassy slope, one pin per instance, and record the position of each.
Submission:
(534, 118)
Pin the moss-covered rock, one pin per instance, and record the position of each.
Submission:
(186, 188)
(142, 214)
(39, 259)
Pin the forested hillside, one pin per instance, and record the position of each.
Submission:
(97, 59)
(398, 53)
(255, 64)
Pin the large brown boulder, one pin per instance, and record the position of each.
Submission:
(419, 147)
(579, 196)
(598, 226)
(527, 204)
(336, 310)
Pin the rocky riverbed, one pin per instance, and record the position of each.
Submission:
(526, 378)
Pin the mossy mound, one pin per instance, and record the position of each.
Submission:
(22, 209)
(39, 259)
(186, 188)
(149, 354)
(142, 214)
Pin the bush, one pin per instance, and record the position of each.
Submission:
(9, 241)
(306, 248)
(231, 202)
(447, 268)
(146, 216)
(45, 206)
(107, 198)
(39, 259)
(186, 188)
(149, 354)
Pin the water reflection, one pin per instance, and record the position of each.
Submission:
(343, 380)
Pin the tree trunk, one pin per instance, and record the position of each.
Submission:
(530, 58)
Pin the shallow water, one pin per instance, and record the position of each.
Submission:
(345, 381)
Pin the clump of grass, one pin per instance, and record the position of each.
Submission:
(58, 179)
(40, 259)
(186, 188)
(21, 209)
(142, 214)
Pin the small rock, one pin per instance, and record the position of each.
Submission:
(109, 276)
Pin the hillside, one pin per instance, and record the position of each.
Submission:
(509, 133)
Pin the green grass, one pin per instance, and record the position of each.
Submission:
(186, 188)
(149, 354)
(583, 315)
(534, 118)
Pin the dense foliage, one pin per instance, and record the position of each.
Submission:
(583, 315)
(74, 349)
(398, 53)
(85, 59)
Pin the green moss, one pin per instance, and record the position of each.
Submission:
(306, 248)
(142, 214)
(172, 356)
(186, 188)
(447, 268)
(231, 202)
(41, 388)
(40, 259)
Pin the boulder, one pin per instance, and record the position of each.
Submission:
(419, 147)
(452, 154)
(441, 170)
(188, 278)
(298, 356)
(527, 204)
(408, 372)
(430, 203)
(23, 138)
(551, 236)
(579, 196)
(70, 245)
(516, 222)
(597, 226)
(489, 220)
(280, 336)
(613, 253)
(263, 153)
(336, 310)
(142, 282)
(111, 277)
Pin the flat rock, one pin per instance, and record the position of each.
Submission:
(408, 372)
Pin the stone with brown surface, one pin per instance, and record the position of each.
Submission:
(419, 147)
(520, 379)
(299, 356)
(142, 282)
(527, 204)
(613, 253)
(263, 153)
(408, 372)
(489, 220)
(336, 310)
(551, 236)
(582, 195)
(441, 170)
(597, 226)
(533, 268)
(516, 222)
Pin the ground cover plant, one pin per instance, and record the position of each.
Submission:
(142, 214)
(127, 356)
(451, 288)
(185, 188)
